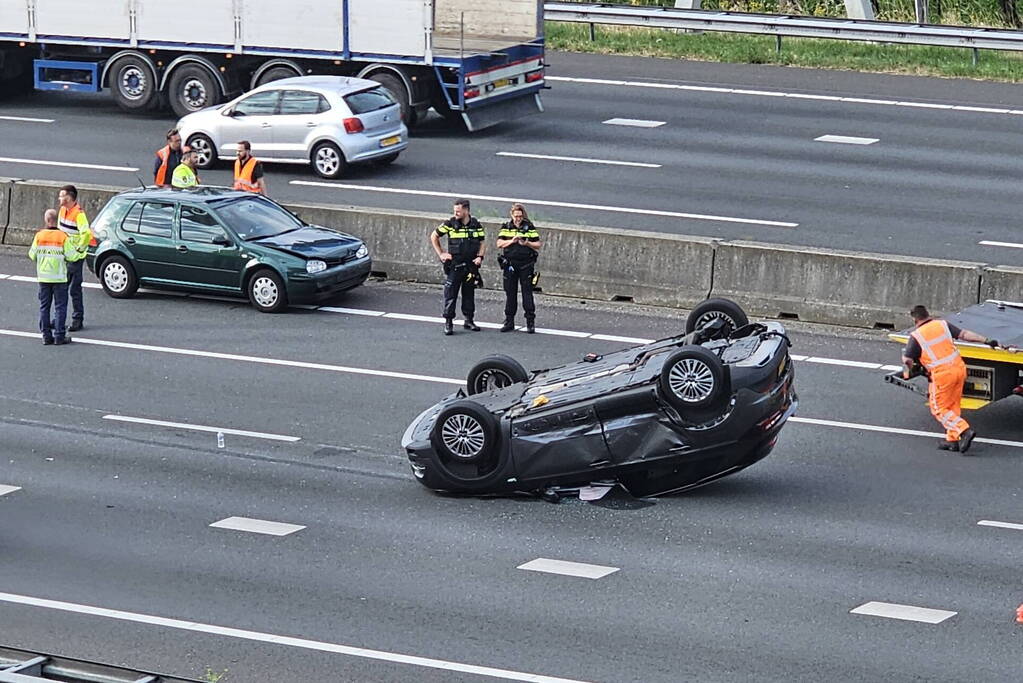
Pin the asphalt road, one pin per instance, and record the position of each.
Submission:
(752, 578)
(738, 147)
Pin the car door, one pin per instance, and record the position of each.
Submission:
(250, 118)
(300, 112)
(205, 251)
(147, 232)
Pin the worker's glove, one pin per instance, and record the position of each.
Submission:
(993, 343)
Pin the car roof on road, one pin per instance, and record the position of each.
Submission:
(334, 84)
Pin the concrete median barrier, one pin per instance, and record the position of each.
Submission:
(30, 198)
(1002, 283)
(5, 206)
(838, 287)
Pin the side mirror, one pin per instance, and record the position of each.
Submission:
(232, 113)
(222, 241)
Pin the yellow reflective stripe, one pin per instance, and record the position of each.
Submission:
(530, 234)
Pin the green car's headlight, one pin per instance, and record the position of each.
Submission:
(363, 252)
(315, 266)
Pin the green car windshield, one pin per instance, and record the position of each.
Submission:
(253, 218)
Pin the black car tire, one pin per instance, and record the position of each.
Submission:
(710, 309)
(133, 84)
(495, 372)
(694, 378)
(328, 160)
(205, 150)
(387, 160)
(118, 277)
(192, 88)
(267, 292)
(465, 433)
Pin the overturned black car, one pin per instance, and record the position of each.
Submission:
(658, 418)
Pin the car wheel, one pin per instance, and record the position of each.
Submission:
(714, 309)
(274, 74)
(397, 89)
(266, 291)
(328, 161)
(133, 84)
(495, 372)
(465, 433)
(192, 88)
(694, 378)
(387, 160)
(204, 148)
(118, 277)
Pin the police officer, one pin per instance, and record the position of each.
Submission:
(521, 244)
(461, 261)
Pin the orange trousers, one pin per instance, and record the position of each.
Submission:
(943, 395)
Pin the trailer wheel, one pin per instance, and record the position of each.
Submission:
(192, 88)
(400, 93)
(133, 84)
(274, 74)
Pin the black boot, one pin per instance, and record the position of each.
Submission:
(530, 326)
(949, 446)
(509, 325)
(965, 440)
(470, 325)
(449, 327)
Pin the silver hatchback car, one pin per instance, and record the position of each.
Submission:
(326, 121)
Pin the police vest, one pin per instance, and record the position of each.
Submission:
(519, 254)
(463, 240)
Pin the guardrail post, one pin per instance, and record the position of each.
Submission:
(921, 11)
(975, 55)
(593, 33)
(860, 9)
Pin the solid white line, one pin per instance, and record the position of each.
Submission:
(257, 526)
(27, 119)
(352, 311)
(248, 359)
(202, 428)
(989, 243)
(40, 162)
(579, 569)
(846, 140)
(301, 643)
(563, 333)
(896, 430)
(624, 340)
(1000, 525)
(636, 123)
(5, 489)
(891, 610)
(550, 157)
(414, 318)
(544, 202)
(846, 363)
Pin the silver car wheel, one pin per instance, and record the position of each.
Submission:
(463, 436)
(493, 379)
(203, 150)
(265, 292)
(193, 94)
(711, 316)
(327, 160)
(691, 380)
(115, 277)
(134, 83)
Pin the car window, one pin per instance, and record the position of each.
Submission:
(369, 100)
(157, 219)
(302, 102)
(255, 217)
(131, 219)
(258, 104)
(112, 214)
(198, 225)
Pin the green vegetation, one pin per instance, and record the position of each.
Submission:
(211, 676)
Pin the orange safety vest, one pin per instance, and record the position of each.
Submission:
(243, 175)
(937, 348)
(161, 173)
(67, 219)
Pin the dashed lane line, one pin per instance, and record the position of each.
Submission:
(896, 430)
(635, 123)
(68, 164)
(846, 140)
(202, 428)
(577, 569)
(891, 610)
(257, 526)
(6, 488)
(990, 243)
(790, 95)
(1001, 525)
(273, 639)
(581, 160)
(545, 202)
(25, 119)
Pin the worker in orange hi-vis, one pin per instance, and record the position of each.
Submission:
(932, 345)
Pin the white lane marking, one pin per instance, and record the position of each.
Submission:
(248, 359)
(544, 202)
(582, 160)
(846, 140)
(414, 318)
(42, 162)
(579, 569)
(564, 333)
(287, 641)
(1000, 525)
(846, 363)
(257, 526)
(891, 610)
(202, 428)
(636, 123)
(616, 338)
(989, 243)
(895, 430)
(26, 119)
(5, 489)
(351, 311)
(792, 95)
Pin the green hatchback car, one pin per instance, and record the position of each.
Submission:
(222, 241)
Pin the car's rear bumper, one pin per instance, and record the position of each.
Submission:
(370, 147)
(329, 283)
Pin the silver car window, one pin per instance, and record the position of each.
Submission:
(369, 100)
(302, 102)
(258, 104)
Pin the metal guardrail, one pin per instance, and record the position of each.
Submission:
(24, 666)
(782, 25)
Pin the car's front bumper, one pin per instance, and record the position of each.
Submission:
(305, 288)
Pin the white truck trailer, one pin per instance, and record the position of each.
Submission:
(475, 61)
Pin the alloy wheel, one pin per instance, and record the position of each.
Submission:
(463, 435)
(691, 380)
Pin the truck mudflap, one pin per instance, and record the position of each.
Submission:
(478, 118)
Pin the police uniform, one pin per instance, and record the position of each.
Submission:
(465, 242)
(518, 266)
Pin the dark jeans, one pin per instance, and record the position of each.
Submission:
(55, 294)
(515, 277)
(454, 280)
(74, 282)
